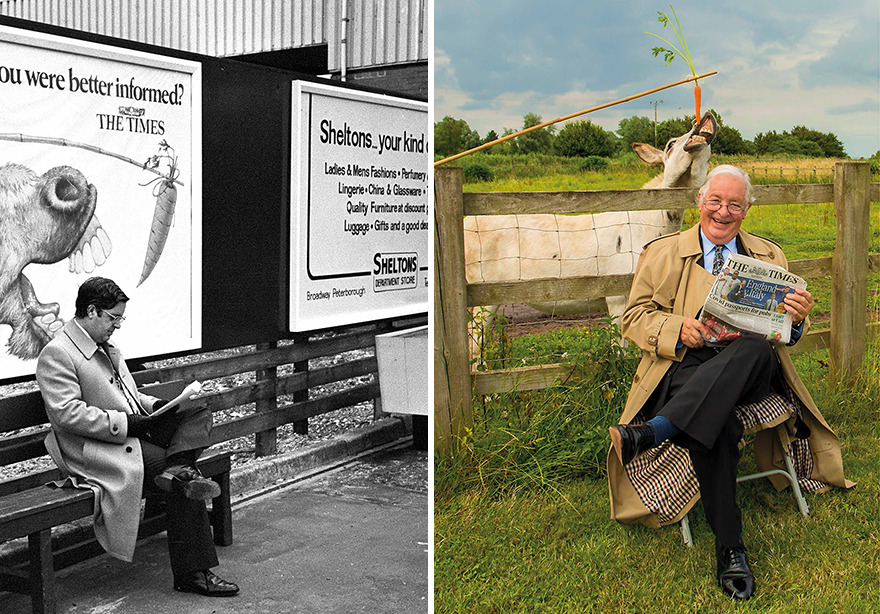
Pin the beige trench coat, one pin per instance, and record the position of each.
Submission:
(670, 286)
(89, 440)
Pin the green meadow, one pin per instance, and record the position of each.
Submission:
(521, 515)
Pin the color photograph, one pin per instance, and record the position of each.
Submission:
(601, 444)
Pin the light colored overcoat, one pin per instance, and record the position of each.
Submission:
(89, 439)
(670, 286)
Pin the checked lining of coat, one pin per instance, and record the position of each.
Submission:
(664, 477)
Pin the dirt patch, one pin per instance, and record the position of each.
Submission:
(524, 320)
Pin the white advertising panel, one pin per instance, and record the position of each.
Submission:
(359, 207)
(100, 175)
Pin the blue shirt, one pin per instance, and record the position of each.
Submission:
(709, 250)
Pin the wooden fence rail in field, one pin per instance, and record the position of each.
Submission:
(455, 385)
(26, 409)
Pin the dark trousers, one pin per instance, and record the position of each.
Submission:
(190, 541)
(698, 396)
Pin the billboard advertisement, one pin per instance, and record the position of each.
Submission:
(361, 170)
(100, 175)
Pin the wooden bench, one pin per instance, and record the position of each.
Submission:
(29, 508)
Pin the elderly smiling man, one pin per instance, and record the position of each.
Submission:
(686, 391)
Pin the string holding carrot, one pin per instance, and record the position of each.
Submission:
(682, 51)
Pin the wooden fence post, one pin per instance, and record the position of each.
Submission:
(301, 427)
(849, 289)
(453, 399)
(266, 442)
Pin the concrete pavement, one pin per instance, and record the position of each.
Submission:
(352, 539)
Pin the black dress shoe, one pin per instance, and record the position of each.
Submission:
(188, 482)
(734, 575)
(206, 583)
(630, 441)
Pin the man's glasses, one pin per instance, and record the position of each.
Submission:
(714, 204)
(114, 319)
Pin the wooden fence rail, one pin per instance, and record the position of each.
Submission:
(23, 410)
(851, 193)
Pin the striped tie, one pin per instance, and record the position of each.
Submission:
(716, 265)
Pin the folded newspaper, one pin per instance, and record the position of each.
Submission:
(194, 388)
(747, 298)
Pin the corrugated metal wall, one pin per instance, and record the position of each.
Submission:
(381, 32)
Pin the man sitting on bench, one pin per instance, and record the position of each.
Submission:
(104, 437)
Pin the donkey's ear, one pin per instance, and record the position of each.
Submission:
(647, 153)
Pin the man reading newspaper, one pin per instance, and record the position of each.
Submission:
(685, 390)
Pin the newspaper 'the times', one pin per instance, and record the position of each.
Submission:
(747, 297)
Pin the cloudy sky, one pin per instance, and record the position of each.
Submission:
(780, 63)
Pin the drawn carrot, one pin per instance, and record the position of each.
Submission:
(683, 52)
(163, 215)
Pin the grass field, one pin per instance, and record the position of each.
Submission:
(522, 520)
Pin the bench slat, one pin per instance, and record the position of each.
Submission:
(42, 508)
(23, 447)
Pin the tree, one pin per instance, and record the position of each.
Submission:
(827, 141)
(764, 140)
(729, 141)
(635, 130)
(536, 141)
(507, 147)
(452, 136)
(673, 128)
(584, 138)
(490, 136)
(801, 141)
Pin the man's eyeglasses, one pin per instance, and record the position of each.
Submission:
(114, 319)
(715, 204)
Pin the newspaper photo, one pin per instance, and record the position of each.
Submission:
(748, 297)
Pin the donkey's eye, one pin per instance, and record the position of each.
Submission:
(670, 144)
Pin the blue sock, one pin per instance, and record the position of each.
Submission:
(663, 429)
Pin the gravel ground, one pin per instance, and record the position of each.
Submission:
(321, 428)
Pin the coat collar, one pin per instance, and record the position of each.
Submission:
(689, 244)
(83, 342)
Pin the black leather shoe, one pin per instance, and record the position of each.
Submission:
(206, 583)
(187, 481)
(630, 441)
(734, 575)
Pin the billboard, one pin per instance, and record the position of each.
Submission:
(360, 177)
(100, 175)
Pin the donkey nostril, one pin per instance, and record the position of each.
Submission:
(66, 190)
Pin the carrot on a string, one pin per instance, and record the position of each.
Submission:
(166, 200)
(681, 51)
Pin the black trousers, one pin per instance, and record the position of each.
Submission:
(698, 396)
(190, 540)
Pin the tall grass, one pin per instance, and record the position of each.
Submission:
(535, 439)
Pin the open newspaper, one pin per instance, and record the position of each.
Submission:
(194, 388)
(747, 297)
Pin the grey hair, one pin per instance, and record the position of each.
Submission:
(728, 169)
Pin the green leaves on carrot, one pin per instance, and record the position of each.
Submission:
(682, 51)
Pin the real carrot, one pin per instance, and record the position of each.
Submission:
(698, 93)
